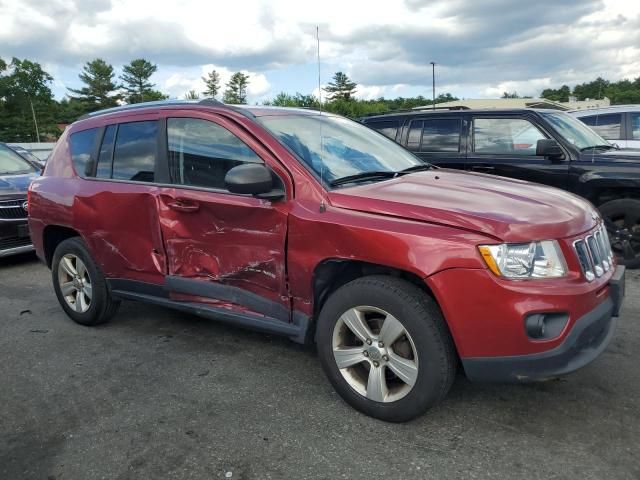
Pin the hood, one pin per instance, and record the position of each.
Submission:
(626, 155)
(506, 209)
(16, 183)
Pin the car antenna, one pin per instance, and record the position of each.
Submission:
(593, 150)
(323, 205)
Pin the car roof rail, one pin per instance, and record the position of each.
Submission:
(210, 102)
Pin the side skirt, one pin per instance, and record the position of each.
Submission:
(298, 331)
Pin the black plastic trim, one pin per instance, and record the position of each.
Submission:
(227, 293)
(588, 338)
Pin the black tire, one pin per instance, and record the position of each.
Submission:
(624, 213)
(101, 306)
(422, 320)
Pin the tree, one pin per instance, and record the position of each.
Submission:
(342, 88)
(100, 89)
(137, 85)
(557, 95)
(595, 90)
(25, 100)
(236, 92)
(191, 95)
(298, 100)
(510, 95)
(212, 84)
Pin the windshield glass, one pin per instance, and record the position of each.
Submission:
(335, 147)
(13, 164)
(575, 131)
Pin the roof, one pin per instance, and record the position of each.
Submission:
(500, 103)
(610, 109)
(457, 111)
(248, 110)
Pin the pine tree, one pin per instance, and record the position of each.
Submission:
(342, 88)
(236, 91)
(136, 77)
(191, 95)
(100, 89)
(212, 84)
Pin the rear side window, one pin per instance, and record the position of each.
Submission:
(388, 128)
(82, 147)
(608, 126)
(441, 135)
(105, 157)
(135, 151)
(202, 152)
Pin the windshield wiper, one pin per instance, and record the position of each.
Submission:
(362, 176)
(417, 168)
(593, 147)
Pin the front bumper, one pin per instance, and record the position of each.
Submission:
(14, 237)
(588, 338)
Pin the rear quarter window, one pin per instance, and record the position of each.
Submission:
(82, 146)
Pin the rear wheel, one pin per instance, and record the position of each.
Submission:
(385, 348)
(80, 285)
(622, 218)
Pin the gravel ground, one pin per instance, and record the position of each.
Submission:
(160, 394)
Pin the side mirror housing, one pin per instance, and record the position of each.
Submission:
(249, 179)
(549, 148)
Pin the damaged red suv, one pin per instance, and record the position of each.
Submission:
(308, 225)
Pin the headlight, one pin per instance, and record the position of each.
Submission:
(525, 260)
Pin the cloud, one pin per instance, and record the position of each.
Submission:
(480, 46)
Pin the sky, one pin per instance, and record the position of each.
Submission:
(482, 48)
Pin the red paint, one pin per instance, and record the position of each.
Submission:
(428, 224)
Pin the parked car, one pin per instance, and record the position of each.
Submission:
(28, 156)
(311, 226)
(542, 146)
(619, 124)
(16, 174)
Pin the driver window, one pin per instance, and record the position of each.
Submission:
(505, 136)
(201, 152)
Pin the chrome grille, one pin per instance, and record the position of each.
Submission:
(594, 254)
(13, 209)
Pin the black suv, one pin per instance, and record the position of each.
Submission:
(543, 146)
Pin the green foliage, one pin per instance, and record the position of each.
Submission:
(510, 95)
(342, 88)
(298, 100)
(557, 95)
(212, 84)
(25, 92)
(137, 85)
(236, 92)
(100, 88)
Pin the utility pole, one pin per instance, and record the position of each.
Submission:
(35, 122)
(433, 80)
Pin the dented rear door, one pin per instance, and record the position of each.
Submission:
(223, 249)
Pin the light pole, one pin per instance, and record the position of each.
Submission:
(433, 80)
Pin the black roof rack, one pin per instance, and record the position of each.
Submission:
(160, 103)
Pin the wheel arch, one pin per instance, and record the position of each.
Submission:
(54, 235)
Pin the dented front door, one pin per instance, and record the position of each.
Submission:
(222, 249)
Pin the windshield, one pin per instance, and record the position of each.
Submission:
(13, 164)
(335, 147)
(575, 131)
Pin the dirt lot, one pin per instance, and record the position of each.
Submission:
(160, 394)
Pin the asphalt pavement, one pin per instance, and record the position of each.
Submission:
(157, 394)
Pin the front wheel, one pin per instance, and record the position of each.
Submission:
(385, 347)
(622, 219)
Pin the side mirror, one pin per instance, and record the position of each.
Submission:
(547, 147)
(252, 179)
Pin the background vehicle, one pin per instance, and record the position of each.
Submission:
(619, 124)
(16, 174)
(27, 155)
(312, 226)
(542, 146)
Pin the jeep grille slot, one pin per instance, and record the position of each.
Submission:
(594, 254)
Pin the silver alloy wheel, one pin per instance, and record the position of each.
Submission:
(75, 283)
(375, 354)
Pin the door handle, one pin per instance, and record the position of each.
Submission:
(180, 205)
(482, 168)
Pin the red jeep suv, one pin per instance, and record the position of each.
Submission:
(308, 225)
